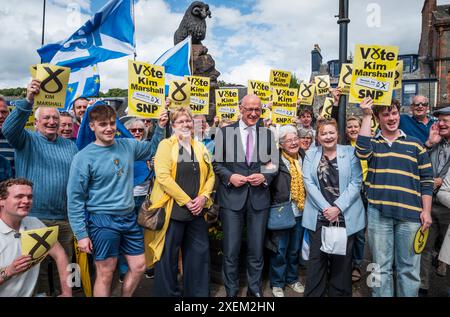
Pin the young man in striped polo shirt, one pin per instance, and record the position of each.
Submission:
(399, 188)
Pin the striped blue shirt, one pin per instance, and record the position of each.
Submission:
(399, 174)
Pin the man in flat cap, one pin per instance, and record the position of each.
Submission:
(438, 145)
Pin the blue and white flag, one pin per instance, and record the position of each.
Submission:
(176, 61)
(107, 35)
(82, 83)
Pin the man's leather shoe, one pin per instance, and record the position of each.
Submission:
(251, 294)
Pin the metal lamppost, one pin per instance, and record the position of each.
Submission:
(342, 21)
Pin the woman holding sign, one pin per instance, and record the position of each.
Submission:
(183, 186)
(332, 177)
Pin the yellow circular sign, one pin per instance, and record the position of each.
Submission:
(420, 240)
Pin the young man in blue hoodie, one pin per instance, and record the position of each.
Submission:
(101, 182)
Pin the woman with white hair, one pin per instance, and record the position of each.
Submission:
(287, 187)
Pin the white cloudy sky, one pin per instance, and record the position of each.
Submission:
(245, 37)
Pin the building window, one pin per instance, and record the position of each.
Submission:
(409, 91)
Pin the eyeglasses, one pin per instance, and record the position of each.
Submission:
(148, 121)
(140, 130)
(418, 104)
(183, 121)
(290, 141)
(250, 110)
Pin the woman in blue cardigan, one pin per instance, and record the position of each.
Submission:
(332, 176)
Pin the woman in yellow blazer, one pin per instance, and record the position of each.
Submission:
(184, 182)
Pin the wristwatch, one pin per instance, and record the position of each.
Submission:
(4, 275)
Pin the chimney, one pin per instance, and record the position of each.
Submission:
(316, 59)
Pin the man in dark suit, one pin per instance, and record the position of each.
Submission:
(245, 160)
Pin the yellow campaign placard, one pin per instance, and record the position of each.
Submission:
(179, 93)
(227, 104)
(373, 73)
(146, 84)
(322, 84)
(398, 75)
(373, 124)
(327, 108)
(199, 94)
(306, 94)
(33, 70)
(283, 115)
(54, 81)
(38, 242)
(280, 78)
(284, 108)
(345, 78)
(263, 91)
(30, 122)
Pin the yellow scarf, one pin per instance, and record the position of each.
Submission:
(297, 186)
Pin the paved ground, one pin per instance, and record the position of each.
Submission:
(360, 289)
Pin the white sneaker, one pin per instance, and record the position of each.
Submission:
(297, 287)
(277, 292)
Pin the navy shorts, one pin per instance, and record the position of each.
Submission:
(112, 235)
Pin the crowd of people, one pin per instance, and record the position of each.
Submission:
(386, 185)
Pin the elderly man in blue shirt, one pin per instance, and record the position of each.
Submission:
(419, 123)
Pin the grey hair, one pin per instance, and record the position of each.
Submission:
(38, 111)
(134, 121)
(2, 98)
(285, 130)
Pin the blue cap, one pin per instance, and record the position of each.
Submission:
(444, 111)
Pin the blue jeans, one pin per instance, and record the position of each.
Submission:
(358, 247)
(284, 263)
(391, 241)
(123, 264)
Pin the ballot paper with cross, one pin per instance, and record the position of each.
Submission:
(38, 242)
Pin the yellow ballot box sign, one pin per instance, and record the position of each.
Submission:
(146, 86)
(227, 104)
(54, 81)
(322, 85)
(306, 94)
(199, 94)
(263, 91)
(420, 240)
(180, 93)
(345, 78)
(373, 124)
(373, 73)
(327, 108)
(38, 242)
(280, 78)
(283, 115)
(33, 70)
(284, 108)
(398, 78)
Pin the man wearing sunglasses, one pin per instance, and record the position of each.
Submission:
(419, 123)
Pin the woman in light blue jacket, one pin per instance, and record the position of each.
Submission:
(332, 176)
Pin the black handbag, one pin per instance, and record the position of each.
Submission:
(281, 216)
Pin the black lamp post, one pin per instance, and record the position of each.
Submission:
(342, 21)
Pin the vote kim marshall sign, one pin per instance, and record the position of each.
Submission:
(145, 89)
(373, 73)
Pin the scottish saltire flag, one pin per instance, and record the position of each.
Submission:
(107, 35)
(84, 82)
(86, 136)
(176, 61)
(305, 246)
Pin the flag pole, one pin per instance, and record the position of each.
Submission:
(134, 33)
(43, 24)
